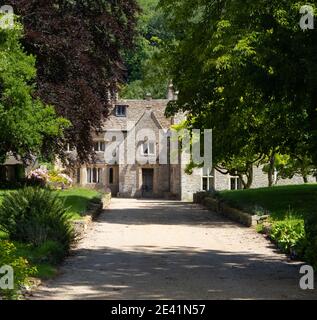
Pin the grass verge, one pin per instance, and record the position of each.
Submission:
(293, 216)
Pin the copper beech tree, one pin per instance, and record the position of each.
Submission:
(78, 45)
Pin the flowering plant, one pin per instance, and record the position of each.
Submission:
(66, 178)
(57, 178)
(42, 176)
(38, 176)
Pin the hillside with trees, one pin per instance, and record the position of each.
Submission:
(145, 62)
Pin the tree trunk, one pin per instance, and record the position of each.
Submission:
(247, 182)
(271, 170)
(250, 177)
(244, 183)
(305, 178)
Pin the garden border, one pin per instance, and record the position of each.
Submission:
(80, 226)
(224, 209)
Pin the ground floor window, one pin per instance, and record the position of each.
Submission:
(235, 183)
(78, 175)
(208, 179)
(111, 176)
(94, 175)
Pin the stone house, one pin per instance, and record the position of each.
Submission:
(150, 178)
(13, 170)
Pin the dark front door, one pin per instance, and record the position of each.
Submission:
(147, 182)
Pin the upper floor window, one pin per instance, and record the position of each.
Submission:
(99, 146)
(121, 111)
(148, 148)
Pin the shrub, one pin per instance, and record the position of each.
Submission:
(50, 252)
(311, 233)
(21, 268)
(260, 228)
(58, 179)
(37, 177)
(290, 236)
(43, 177)
(34, 215)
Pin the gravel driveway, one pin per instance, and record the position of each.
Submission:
(156, 249)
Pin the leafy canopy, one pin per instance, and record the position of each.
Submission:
(245, 69)
(25, 122)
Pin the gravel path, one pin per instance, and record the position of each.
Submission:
(171, 250)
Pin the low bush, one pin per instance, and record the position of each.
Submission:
(34, 215)
(295, 236)
(22, 270)
(37, 178)
(57, 179)
(289, 235)
(51, 252)
(51, 178)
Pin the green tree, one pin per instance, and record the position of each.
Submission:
(25, 122)
(246, 70)
(79, 45)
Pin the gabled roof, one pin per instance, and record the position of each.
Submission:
(11, 160)
(150, 114)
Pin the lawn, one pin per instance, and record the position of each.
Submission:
(78, 199)
(279, 201)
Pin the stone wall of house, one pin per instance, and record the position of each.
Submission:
(163, 180)
(297, 179)
(222, 181)
(175, 180)
(190, 184)
(130, 180)
(260, 180)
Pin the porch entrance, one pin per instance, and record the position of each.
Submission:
(147, 183)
